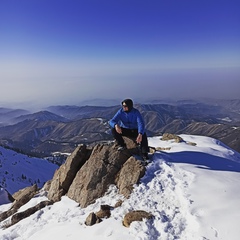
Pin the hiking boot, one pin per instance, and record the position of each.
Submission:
(121, 148)
(145, 156)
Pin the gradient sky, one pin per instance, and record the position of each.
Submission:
(66, 51)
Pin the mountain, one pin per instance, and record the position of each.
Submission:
(40, 116)
(18, 171)
(7, 115)
(62, 128)
(191, 189)
(80, 112)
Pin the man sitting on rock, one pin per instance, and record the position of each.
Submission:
(129, 122)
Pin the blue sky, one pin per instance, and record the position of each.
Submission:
(62, 52)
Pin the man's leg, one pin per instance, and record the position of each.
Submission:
(130, 133)
(133, 133)
(118, 137)
(144, 145)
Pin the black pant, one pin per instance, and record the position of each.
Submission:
(131, 133)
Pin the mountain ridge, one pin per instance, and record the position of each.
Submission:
(61, 128)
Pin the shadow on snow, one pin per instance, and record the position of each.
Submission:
(201, 160)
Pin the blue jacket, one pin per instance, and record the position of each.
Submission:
(130, 120)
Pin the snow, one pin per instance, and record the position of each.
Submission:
(192, 191)
(18, 171)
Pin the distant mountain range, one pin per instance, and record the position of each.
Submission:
(62, 128)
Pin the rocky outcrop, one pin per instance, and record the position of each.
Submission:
(130, 174)
(84, 177)
(92, 219)
(64, 176)
(97, 174)
(21, 197)
(21, 215)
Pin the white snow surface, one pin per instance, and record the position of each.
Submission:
(192, 191)
(18, 171)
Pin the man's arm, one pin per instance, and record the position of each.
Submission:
(140, 123)
(114, 121)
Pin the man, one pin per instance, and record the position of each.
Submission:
(129, 122)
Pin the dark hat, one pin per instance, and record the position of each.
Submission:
(129, 103)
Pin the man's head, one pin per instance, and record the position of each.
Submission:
(127, 105)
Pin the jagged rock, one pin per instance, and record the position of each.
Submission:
(137, 215)
(6, 214)
(131, 144)
(170, 136)
(152, 149)
(21, 197)
(129, 175)
(163, 148)
(92, 219)
(21, 215)
(97, 174)
(118, 204)
(47, 185)
(192, 143)
(64, 176)
(104, 211)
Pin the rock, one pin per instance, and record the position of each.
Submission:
(192, 143)
(163, 148)
(170, 136)
(104, 212)
(21, 215)
(129, 175)
(138, 215)
(92, 219)
(152, 149)
(47, 185)
(63, 177)
(118, 204)
(97, 174)
(21, 197)
(131, 144)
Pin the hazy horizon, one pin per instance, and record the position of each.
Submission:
(60, 52)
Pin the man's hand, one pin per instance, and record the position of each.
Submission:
(139, 138)
(118, 129)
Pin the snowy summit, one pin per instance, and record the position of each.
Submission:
(191, 188)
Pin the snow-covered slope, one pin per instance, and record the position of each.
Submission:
(18, 171)
(192, 191)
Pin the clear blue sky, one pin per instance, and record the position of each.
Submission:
(62, 52)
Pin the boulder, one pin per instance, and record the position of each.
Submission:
(97, 174)
(137, 215)
(104, 212)
(21, 197)
(118, 204)
(92, 219)
(63, 177)
(21, 215)
(170, 136)
(130, 174)
(131, 144)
